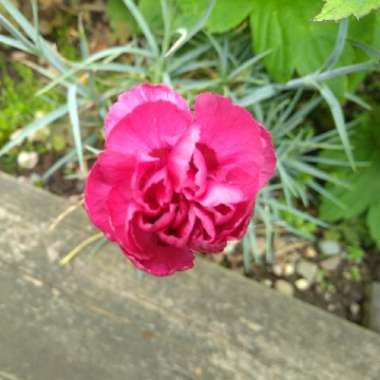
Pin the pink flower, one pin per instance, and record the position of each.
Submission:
(170, 182)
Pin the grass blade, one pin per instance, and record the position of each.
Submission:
(75, 127)
(143, 25)
(186, 35)
(338, 117)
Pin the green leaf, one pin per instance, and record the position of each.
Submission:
(121, 20)
(373, 221)
(335, 10)
(363, 195)
(151, 10)
(300, 45)
(225, 15)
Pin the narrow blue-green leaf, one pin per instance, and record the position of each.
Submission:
(358, 100)
(15, 33)
(258, 95)
(371, 51)
(247, 258)
(188, 35)
(327, 194)
(113, 52)
(143, 25)
(35, 126)
(309, 80)
(314, 172)
(75, 126)
(166, 17)
(338, 116)
(36, 22)
(117, 68)
(15, 44)
(333, 59)
(298, 213)
(68, 157)
(19, 18)
(192, 66)
(253, 240)
(246, 65)
(190, 56)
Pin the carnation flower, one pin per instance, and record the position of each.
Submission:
(171, 182)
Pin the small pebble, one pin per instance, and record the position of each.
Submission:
(331, 264)
(331, 307)
(302, 284)
(355, 309)
(329, 247)
(284, 287)
(278, 270)
(310, 253)
(230, 247)
(307, 270)
(27, 160)
(267, 282)
(328, 296)
(289, 269)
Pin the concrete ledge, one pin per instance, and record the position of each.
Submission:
(95, 319)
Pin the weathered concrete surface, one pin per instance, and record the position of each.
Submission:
(95, 319)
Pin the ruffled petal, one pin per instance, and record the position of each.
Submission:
(141, 94)
(151, 129)
(96, 193)
(180, 157)
(232, 138)
(116, 166)
(269, 165)
(166, 261)
(155, 257)
(220, 193)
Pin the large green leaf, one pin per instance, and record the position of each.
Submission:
(337, 9)
(120, 18)
(363, 194)
(373, 221)
(151, 10)
(297, 43)
(225, 15)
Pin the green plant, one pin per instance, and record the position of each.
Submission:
(362, 196)
(184, 57)
(338, 9)
(17, 104)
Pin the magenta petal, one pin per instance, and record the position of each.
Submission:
(220, 193)
(141, 94)
(150, 129)
(234, 137)
(156, 258)
(96, 193)
(116, 166)
(269, 165)
(166, 261)
(180, 157)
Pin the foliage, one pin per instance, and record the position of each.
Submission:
(120, 18)
(305, 46)
(17, 105)
(338, 9)
(182, 56)
(302, 48)
(363, 194)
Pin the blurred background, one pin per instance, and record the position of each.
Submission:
(307, 70)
